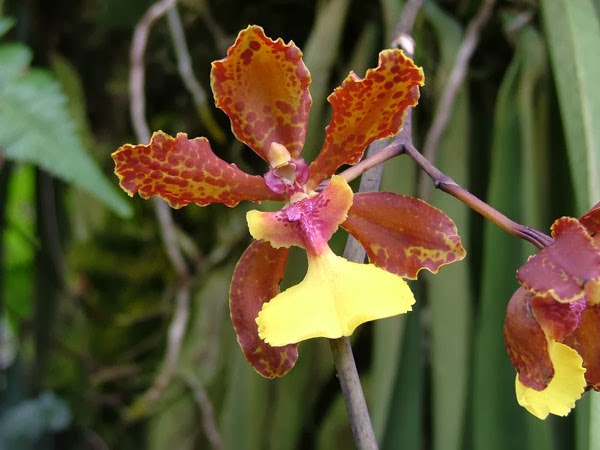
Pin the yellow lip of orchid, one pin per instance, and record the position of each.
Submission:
(567, 384)
(334, 298)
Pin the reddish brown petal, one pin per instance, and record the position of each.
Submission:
(558, 320)
(256, 281)
(262, 86)
(526, 343)
(562, 269)
(586, 341)
(183, 171)
(403, 234)
(591, 220)
(365, 110)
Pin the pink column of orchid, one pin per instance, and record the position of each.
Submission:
(552, 326)
(263, 86)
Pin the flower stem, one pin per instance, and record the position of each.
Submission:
(358, 413)
(356, 405)
(446, 184)
(449, 186)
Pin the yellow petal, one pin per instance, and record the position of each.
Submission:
(564, 389)
(333, 299)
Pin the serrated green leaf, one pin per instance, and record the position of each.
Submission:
(71, 84)
(573, 31)
(35, 127)
(15, 59)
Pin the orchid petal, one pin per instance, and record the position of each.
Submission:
(564, 389)
(307, 223)
(402, 234)
(591, 220)
(255, 281)
(562, 269)
(262, 85)
(586, 341)
(558, 320)
(183, 171)
(333, 299)
(526, 343)
(592, 292)
(365, 110)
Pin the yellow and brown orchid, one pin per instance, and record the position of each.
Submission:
(552, 326)
(262, 85)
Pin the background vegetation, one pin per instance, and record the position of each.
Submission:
(90, 300)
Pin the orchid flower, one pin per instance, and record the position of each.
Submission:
(552, 326)
(263, 86)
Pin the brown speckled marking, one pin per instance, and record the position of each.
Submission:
(365, 110)
(403, 235)
(262, 85)
(183, 171)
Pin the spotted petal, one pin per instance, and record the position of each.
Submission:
(365, 110)
(402, 234)
(262, 85)
(183, 171)
(255, 281)
(308, 223)
(563, 268)
(333, 299)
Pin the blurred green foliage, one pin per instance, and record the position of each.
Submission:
(86, 296)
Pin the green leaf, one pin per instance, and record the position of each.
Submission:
(388, 337)
(404, 427)
(175, 425)
(573, 31)
(594, 419)
(20, 244)
(449, 292)
(71, 84)
(245, 407)
(519, 150)
(391, 12)
(35, 127)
